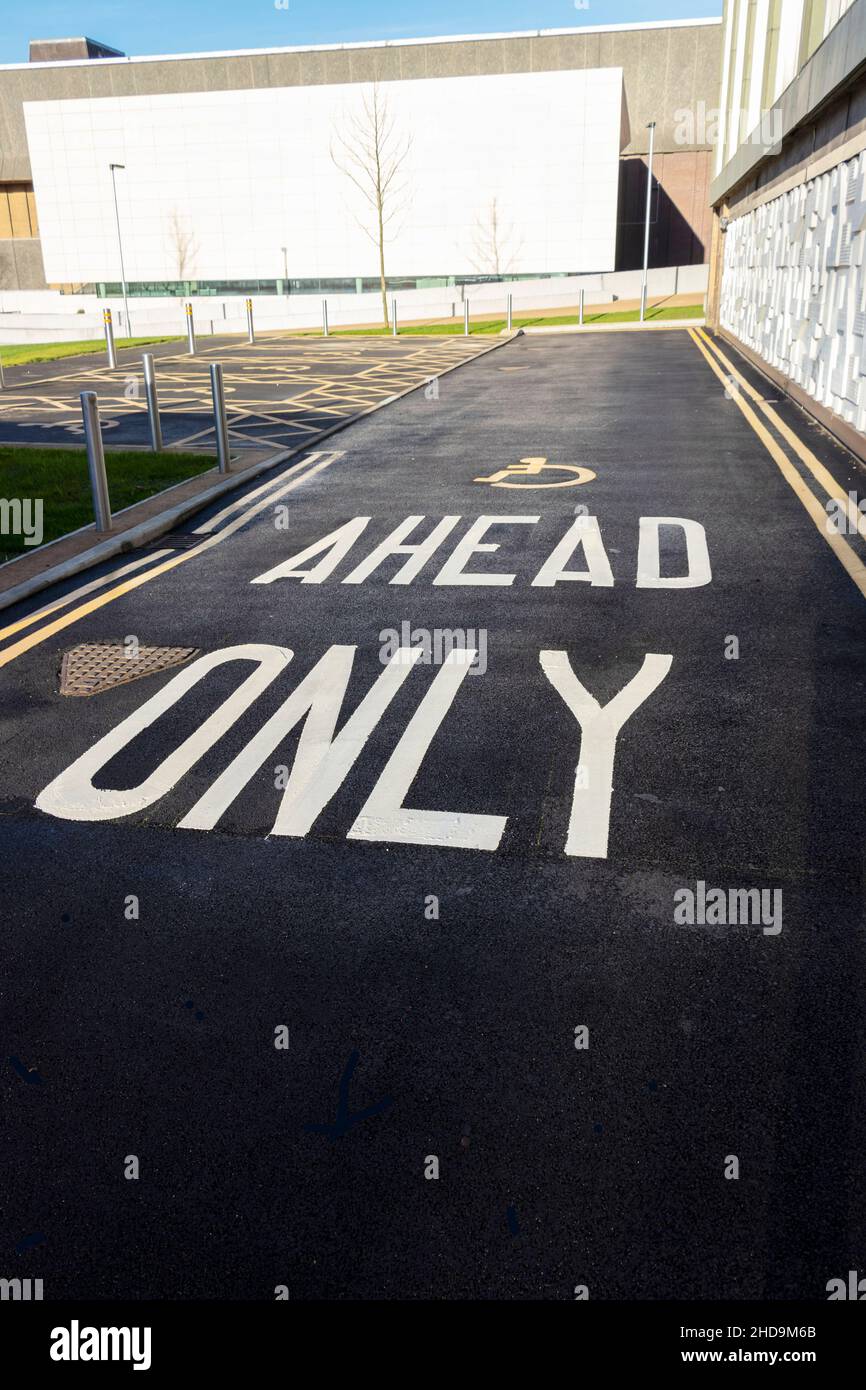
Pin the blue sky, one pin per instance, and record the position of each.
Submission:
(178, 26)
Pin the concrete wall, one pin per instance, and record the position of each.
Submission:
(21, 265)
(665, 66)
(681, 219)
(52, 317)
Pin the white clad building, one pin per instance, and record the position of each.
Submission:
(214, 184)
(788, 269)
(528, 159)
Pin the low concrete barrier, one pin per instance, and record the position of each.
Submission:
(25, 318)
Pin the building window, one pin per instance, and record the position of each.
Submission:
(17, 211)
(731, 133)
(748, 64)
(348, 285)
(812, 30)
(771, 55)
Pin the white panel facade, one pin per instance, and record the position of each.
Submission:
(794, 286)
(742, 69)
(240, 174)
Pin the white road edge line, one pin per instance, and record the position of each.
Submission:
(204, 529)
(90, 588)
(239, 502)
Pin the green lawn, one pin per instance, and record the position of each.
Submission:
(455, 326)
(59, 477)
(671, 311)
(51, 352)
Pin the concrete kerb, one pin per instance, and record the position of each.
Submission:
(166, 521)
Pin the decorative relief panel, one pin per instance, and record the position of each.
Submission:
(794, 288)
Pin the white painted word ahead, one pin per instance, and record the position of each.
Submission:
(583, 534)
(324, 759)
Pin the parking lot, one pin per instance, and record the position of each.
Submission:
(279, 391)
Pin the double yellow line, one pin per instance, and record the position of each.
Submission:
(726, 372)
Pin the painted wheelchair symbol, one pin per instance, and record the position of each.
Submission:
(531, 468)
(74, 427)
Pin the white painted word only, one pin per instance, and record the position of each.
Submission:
(583, 535)
(324, 758)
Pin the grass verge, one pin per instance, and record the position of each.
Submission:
(20, 355)
(59, 478)
(448, 327)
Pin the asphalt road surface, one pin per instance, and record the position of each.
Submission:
(437, 927)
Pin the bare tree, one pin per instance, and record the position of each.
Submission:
(494, 247)
(371, 152)
(183, 245)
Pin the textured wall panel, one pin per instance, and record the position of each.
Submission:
(794, 287)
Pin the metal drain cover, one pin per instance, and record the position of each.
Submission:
(92, 667)
(176, 540)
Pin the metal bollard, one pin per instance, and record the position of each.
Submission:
(324, 318)
(509, 314)
(251, 337)
(466, 318)
(190, 331)
(221, 428)
(96, 460)
(394, 318)
(152, 403)
(109, 338)
(580, 311)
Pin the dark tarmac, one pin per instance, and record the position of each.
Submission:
(412, 1035)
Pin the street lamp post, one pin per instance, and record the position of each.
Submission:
(113, 167)
(649, 194)
(285, 269)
